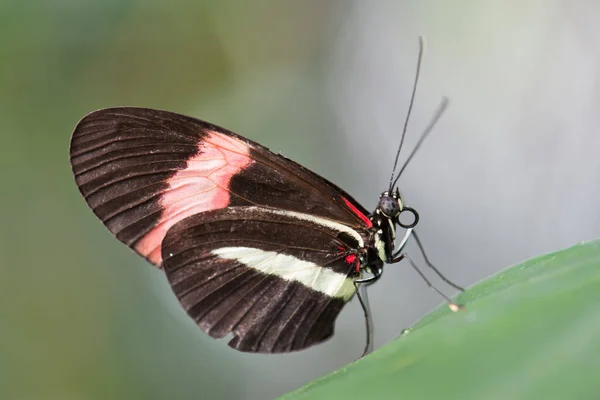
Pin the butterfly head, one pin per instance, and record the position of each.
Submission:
(390, 204)
(391, 207)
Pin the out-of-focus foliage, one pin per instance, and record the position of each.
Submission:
(529, 332)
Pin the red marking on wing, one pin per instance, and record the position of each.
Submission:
(360, 215)
(351, 259)
(201, 186)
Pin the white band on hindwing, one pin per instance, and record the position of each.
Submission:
(290, 268)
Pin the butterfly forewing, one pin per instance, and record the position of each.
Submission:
(142, 171)
(274, 278)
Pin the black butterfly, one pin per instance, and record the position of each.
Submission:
(251, 242)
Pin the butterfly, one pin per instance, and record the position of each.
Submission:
(252, 243)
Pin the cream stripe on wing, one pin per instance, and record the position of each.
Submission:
(290, 268)
(322, 221)
(304, 217)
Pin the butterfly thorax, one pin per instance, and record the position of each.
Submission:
(382, 239)
(383, 236)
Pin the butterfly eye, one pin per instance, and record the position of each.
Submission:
(389, 206)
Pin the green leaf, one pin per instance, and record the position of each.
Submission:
(529, 332)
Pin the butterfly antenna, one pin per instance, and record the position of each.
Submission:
(436, 117)
(410, 107)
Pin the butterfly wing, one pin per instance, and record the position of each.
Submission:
(275, 279)
(142, 171)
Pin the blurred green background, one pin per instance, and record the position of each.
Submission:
(326, 83)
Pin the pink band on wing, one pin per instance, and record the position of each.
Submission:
(201, 186)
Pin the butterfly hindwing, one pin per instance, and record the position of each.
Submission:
(275, 279)
(142, 171)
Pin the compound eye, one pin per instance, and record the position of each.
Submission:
(389, 206)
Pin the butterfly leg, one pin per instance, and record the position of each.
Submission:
(429, 264)
(377, 272)
(364, 303)
(361, 292)
(453, 306)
